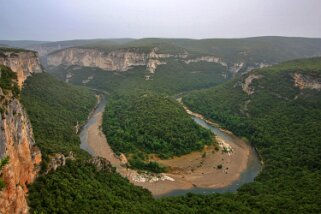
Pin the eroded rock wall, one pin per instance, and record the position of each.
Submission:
(17, 143)
(16, 135)
(24, 63)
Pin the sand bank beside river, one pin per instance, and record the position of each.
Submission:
(201, 169)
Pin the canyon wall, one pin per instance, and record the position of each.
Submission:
(16, 136)
(126, 58)
(17, 143)
(117, 60)
(24, 63)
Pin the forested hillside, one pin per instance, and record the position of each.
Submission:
(282, 119)
(54, 109)
(171, 78)
(279, 111)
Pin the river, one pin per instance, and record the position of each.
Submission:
(194, 173)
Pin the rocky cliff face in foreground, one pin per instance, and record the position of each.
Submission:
(17, 143)
(16, 138)
(22, 62)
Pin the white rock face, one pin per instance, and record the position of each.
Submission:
(153, 64)
(125, 59)
(204, 59)
(246, 86)
(118, 60)
(115, 60)
(24, 63)
(306, 82)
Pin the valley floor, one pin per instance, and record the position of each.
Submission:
(202, 169)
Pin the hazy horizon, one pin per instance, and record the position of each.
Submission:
(31, 40)
(97, 19)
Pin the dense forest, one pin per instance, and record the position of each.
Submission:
(151, 124)
(281, 120)
(80, 187)
(171, 78)
(54, 109)
(8, 82)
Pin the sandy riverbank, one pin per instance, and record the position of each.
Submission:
(186, 172)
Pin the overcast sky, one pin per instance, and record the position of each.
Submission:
(84, 19)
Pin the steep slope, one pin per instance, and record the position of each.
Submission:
(113, 59)
(56, 111)
(17, 144)
(278, 110)
(22, 62)
(79, 183)
(282, 120)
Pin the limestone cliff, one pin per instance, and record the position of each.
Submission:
(124, 59)
(17, 143)
(23, 62)
(116, 60)
(205, 59)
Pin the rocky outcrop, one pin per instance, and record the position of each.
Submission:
(57, 160)
(101, 164)
(236, 67)
(153, 64)
(126, 58)
(17, 143)
(123, 159)
(304, 81)
(246, 85)
(24, 63)
(117, 60)
(205, 59)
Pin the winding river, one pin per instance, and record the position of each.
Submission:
(194, 172)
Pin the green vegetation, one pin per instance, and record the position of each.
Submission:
(54, 109)
(79, 187)
(4, 161)
(269, 49)
(280, 120)
(151, 124)
(172, 78)
(284, 123)
(13, 50)
(8, 81)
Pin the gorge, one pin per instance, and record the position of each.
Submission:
(271, 107)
